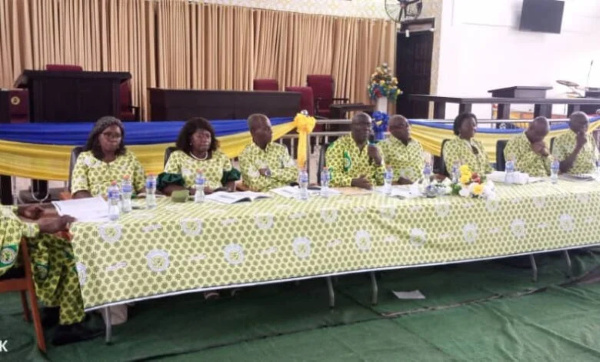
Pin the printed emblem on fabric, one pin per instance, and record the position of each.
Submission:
(492, 205)
(158, 260)
(566, 222)
(443, 209)
(8, 255)
(363, 240)
(387, 211)
(191, 226)
(234, 254)
(418, 237)
(517, 227)
(81, 273)
(110, 232)
(539, 201)
(470, 233)
(301, 246)
(329, 215)
(264, 221)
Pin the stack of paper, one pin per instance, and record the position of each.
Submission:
(233, 197)
(519, 178)
(85, 210)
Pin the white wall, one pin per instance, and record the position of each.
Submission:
(482, 49)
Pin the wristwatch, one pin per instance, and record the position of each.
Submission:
(268, 172)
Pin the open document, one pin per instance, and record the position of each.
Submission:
(233, 197)
(93, 209)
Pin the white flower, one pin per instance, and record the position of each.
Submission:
(464, 192)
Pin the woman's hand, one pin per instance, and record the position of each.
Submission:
(32, 212)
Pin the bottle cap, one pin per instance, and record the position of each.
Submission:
(125, 177)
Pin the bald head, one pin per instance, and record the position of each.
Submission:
(361, 128)
(260, 129)
(578, 122)
(538, 129)
(400, 128)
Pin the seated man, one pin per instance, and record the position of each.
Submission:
(54, 271)
(401, 152)
(576, 150)
(352, 160)
(529, 150)
(265, 165)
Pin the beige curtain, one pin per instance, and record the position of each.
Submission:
(178, 44)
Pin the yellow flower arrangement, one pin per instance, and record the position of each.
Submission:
(470, 184)
(382, 84)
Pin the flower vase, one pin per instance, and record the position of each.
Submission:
(382, 104)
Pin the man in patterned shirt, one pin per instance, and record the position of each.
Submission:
(352, 160)
(529, 150)
(576, 150)
(265, 165)
(401, 152)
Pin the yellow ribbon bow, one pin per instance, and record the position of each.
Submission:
(304, 125)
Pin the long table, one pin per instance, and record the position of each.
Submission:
(181, 248)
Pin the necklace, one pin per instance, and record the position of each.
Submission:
(198, 158)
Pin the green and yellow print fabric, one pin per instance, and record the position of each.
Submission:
(527, 161)
(406, 160)
(186, 166)
(93, 175)
(11, 231)
(586, 159)
(346, 162)
(180, 247)
(461, 150)
(276, 158)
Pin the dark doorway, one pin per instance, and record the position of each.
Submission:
(413, 66)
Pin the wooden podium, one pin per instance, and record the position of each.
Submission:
(56, 96)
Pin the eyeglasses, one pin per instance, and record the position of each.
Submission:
(112, 136)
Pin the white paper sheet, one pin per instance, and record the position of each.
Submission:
(233, 197)
(415, 294)
(93, 209)
(293, 192)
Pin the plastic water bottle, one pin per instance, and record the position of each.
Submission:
(303, 181)
(325, 182)
(126, 190)
(554, 168)
(151, 191)
(113, 201)
(388, 177)
(455, 172)
(427, 172)
(509, 169)
(199, 184)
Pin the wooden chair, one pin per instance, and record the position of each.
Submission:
(21, 280)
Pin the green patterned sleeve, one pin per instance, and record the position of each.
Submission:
(139, 179)
(250, 174)
(174, 163)
(229, 172)
(559, 149)
(451, 153)
(288, 172)
(335, 160)
(79, 178)
(378, 171)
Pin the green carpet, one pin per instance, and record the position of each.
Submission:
(475, 311)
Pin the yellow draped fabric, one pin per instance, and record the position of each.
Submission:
(431, 138)
(304, 125)
(50, 162)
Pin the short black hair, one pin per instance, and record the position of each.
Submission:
(189, 128)
(458, 121)
(93, 143)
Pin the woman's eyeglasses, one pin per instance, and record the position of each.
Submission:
(112, 136)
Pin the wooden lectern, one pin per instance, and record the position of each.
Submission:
(56, 96)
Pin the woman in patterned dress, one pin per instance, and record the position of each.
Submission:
(198, 149)
(464, 149)
(105, 159)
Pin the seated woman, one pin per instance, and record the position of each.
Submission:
(54, 271)
(464, 149)
(197, 149)
(105, 159)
